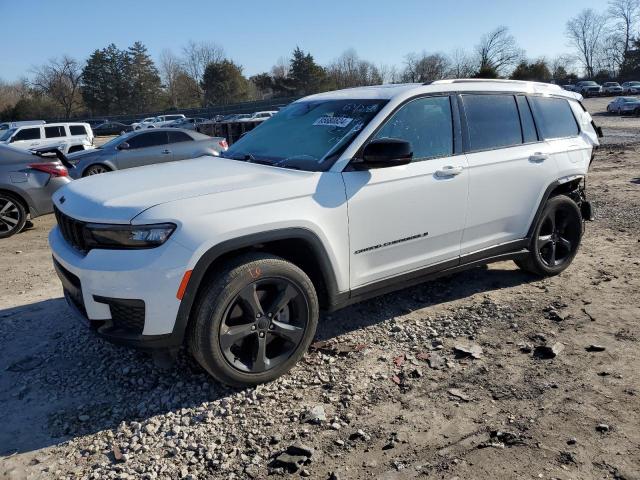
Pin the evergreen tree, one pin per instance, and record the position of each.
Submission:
(305, 75)
(224, 83)
(144, 80)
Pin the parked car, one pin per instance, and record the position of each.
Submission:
(94, 122)
(8, 125)
(611, 88)
(145, 121)
(144, 147)
(188, 123)
(67, 137)
(622, 105)
(27, 181)
(112, 128)
(588, 88)
(631, 87)
(570, 88)
(262, 116)
(332, 201)
(158, 122)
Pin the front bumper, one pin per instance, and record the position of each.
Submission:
(127, 296)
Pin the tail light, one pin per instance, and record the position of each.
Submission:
(223, 143)
(53, 169)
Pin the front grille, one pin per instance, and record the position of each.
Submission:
(72, 230)
(126, 314)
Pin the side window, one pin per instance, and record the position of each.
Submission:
(150, 139)
(28, 134)
(176, 137)
(426, 123)
(554, 117)
(492, 121)
(55, 131)
(529, 133)
(77, 130)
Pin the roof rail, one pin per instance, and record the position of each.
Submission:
(489, 80)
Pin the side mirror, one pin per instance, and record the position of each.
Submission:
(124, 146)
(387, 152)
(12, 139)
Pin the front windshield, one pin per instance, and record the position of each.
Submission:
(307, 134)
(7, 135)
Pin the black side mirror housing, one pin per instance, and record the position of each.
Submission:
(386, 152)
(123, 146)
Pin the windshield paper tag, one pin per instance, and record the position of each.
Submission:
(339, 122)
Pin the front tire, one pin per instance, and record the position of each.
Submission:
(556, 238)
(254, 320)
(13, 215)
(96, 169)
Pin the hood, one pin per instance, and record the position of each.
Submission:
(79, 155)
(117, 197)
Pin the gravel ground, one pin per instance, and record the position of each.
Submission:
(491, 373)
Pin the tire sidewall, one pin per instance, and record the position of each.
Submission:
(215, 302)
(95, 165)
(552, 204)
(23, 215)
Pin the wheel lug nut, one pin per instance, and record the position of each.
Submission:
(261, 334)
(253, 327)
(272, 326)
(269, 315)
(258, 315)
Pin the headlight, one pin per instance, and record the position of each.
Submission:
(127, 236)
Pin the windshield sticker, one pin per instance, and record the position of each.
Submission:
(360, 108)
(339, 122)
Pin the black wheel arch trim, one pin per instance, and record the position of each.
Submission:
(210, 256)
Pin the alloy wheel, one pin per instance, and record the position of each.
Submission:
(263, 325)
(9, 215)
(96, 170)
(558, 237)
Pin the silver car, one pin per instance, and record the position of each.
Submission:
(144, 147)
(27, 181)
(624, 105)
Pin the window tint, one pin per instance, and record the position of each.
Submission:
(150, 139)
(526, 119)
(55, 131)
(175, 137)
(28, 134)
(492, 121)
(77, 130)
(554, 117)
(426, 123)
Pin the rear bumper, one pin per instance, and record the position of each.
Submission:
(126, 297)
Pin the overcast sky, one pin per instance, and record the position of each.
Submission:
(257, 33)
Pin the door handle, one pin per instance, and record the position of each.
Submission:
(166, 152)
(449, 171)
(538, 157)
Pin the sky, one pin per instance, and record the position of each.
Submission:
(256, 34)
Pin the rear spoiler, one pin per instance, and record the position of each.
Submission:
(57, 152)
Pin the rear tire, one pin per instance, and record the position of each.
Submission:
(254, 320)
(13, 215)
(556, 238)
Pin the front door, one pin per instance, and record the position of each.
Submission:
(404, 218)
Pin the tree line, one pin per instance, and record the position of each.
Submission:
(112, 81)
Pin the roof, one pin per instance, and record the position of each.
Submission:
(389, 91)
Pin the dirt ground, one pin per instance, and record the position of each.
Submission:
(382, 394)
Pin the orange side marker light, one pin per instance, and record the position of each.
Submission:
(183, 284)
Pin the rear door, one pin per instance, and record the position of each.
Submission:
(181, 145)
(510, 167)
(145, 148)
(55, 136)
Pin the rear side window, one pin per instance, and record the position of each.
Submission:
(150, 139)
(554, 117)
(77, 130)
(492, 121)
(529, 133)
(55, 131)
(426, 123)
(28, 134)
(176, 137)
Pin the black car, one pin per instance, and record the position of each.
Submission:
(112, 128)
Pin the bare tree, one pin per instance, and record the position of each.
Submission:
(585, 31)
(498, 50)
(170, 69)
(625, 13)
(562, 65)
(10, 93)
(281, 69)
(60, 80)
(462, 64)
(425, 68)
(349, 70)
(389, 74)
(197, 55)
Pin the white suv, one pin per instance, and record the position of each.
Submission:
(157, 122)
(67, 137)
(340, 197)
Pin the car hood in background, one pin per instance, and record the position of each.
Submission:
(117, 197)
